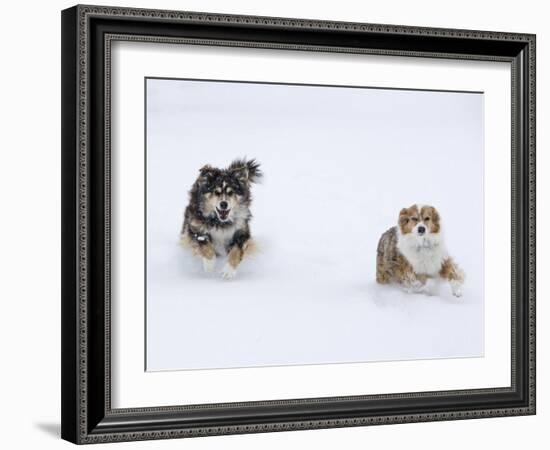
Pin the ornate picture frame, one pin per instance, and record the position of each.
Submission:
(88, 33)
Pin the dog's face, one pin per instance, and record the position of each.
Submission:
(224, 193)
(419, 220)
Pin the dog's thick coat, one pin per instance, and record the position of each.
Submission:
(413, 254)
(216, 220)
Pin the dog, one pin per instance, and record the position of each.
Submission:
(413, 254)
(216, 220)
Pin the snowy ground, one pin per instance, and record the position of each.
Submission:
(339, 164)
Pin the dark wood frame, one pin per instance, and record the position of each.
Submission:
(87, 32)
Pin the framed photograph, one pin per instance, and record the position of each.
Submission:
(278, 224)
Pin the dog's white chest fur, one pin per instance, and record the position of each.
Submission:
(425, 255)
(221, 237)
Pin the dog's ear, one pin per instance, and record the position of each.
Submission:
(241, 173)
(245, 171)
(207, 175)
(207, 172)
(206, 169)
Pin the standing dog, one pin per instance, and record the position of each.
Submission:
(216, 219)
(413, 254)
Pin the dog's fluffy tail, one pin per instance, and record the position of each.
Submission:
(252, 168)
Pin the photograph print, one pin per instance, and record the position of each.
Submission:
(294, 224)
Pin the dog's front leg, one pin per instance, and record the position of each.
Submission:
(409, 281)
(454, 275)
(234, 258)
(209, 262)
(413, 283)
(204, 248)
(208, 257)
(239, 246)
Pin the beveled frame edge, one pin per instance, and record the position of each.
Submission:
(76, 219)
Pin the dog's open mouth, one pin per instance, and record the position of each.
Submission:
(223, 214)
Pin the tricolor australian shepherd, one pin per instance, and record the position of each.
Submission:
(413, 254)
(217, 217)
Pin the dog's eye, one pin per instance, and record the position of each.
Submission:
(426, 219)
(414, 219)
(229, 193)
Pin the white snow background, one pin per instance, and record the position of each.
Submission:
(339, 164)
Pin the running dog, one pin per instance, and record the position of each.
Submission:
(413, 254)
(216, 221)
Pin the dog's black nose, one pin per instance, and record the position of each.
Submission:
(421, 230)
(223, 205)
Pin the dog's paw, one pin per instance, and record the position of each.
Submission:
(228, 271)
(413, 286)
(456, 288)
(408, 289)
(208, 264)
(429, 287)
